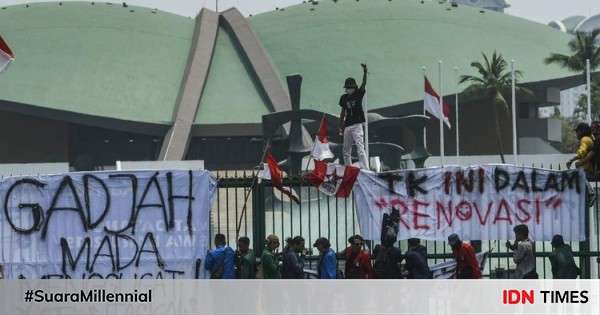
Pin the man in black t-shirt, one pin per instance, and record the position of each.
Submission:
(352, 117)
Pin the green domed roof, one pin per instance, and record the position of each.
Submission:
(327, 42)
(100, 60)
(128, 63)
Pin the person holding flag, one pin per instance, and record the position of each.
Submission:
(352, 117)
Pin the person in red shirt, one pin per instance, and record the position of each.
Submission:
(467, 266)
(358, 261)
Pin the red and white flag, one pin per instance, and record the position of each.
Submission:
(321, 149)
(273, 172)
(432, 104)
(334, 179)
(6, 55)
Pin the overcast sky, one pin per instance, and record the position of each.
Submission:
(541, 11)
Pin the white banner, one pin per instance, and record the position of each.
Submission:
(106, 225)
(477, 202)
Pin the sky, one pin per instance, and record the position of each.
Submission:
(542, 11)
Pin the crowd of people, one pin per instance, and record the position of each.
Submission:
(385, 262)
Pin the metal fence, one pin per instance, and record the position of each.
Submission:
(270, 212)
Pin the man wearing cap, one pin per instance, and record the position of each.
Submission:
(358, 261)
(327, 267)
(352, 118)
(523, 253)
(467, 266)
(562, 261)
(416, 260)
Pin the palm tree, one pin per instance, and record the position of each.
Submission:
(493, 83)
(583, 46)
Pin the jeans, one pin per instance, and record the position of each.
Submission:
(353, 134)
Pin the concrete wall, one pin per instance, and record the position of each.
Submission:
(27, 139)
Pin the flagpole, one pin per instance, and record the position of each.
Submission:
(456, 118)
(366, 109)
(238, 226)
(424, 111)
(441, 118)
(514, 111)
(589, 91)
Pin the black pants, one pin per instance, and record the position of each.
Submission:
(531, 275)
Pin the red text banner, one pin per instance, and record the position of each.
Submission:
(478, 202)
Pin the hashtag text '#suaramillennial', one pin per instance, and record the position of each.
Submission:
(88, 296)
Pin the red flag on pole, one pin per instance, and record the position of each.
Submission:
(432, 104)
(321, 149)
(273, 172)
(333, 179)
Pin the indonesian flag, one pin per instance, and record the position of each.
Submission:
(321, 149)
(6, 55)
(272, 171)
(334, 179)
(432, 104)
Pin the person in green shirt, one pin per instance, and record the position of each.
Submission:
(562, 261)
(269, 263)
(245, 260)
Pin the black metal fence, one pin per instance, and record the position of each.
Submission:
(270, 212)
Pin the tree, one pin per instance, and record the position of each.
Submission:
(494, 85)
(583, 46)
(580, 111)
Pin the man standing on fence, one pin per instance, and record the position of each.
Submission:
(523, 253)
(467, 266)
(352, 118)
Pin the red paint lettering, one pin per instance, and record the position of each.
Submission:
(447, 215)
(465, 216)
(417, 215)
(521, 206)
(503, 205)
(403, 209)
(483, 220)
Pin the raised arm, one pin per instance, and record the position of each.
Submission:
(364, 79)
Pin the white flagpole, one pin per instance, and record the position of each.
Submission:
(366, 109)
(514, 111)
(589, 91)
(424, 111)
(456, 118)
(441, 118)
(217, 6)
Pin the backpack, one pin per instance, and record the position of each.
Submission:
(218, 269)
